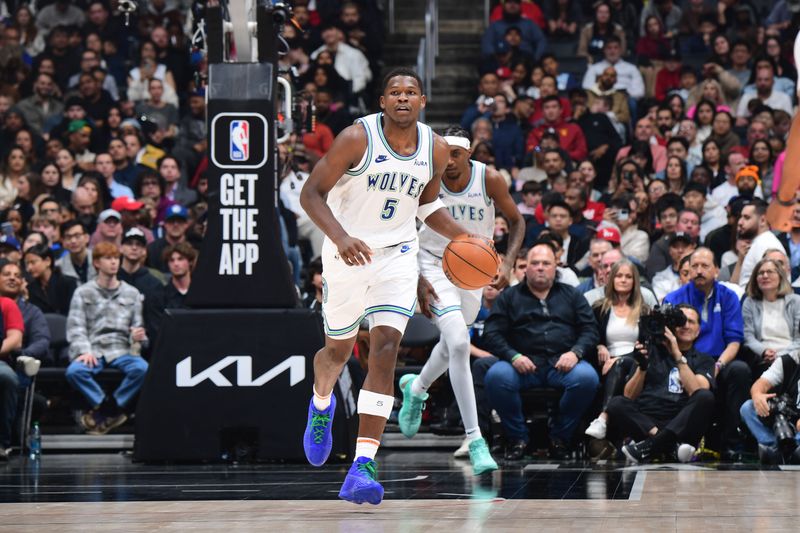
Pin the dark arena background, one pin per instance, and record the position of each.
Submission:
(161, 284)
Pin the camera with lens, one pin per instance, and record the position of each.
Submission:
(651, 327)
(782, 412)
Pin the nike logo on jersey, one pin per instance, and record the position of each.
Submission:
(381, 158)
(404, 248)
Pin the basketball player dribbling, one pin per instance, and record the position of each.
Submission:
(470, 190)
(381, 174)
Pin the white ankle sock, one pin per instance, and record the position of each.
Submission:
(366, 447)
(473, 434)
(417, 388)
(321, 402)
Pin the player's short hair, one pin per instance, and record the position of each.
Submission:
(400, 71)
(456, 131)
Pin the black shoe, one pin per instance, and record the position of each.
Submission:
(601, 449)
(516, 450)
(558, 451)
(735, 454)
(768, 455)
(638, 452)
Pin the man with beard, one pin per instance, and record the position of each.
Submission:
(721, 335)
(753, 225)
(192, 143)
(124, 172)
(42, 104)
(619, 110)
(665, 121)
(76, 263)
(36, 337)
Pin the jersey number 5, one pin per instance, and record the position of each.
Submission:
(389, 208)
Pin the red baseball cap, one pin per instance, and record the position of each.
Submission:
(607, 233)
(123, 203)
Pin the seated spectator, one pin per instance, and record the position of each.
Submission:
(104, 328)
(666, 12)
(619, 110)
(109, 228)
(10, 249)
(507, 136)
(13, 167)
(711, 217)
(766, 94)
(104, 165)
(180, 259)
(565, 274)
(529, 10)
(36, 335)
(488, 88)
(130, 211)
(771, 315)
(780, 379)
(176, 222)
(628, 76)
(578, 201)
(134, 272)
(598, 246)
(533, 43)
(531, 197)
(548, 86)
(556, 363)
(90, 60)
(349, 62)
(594, 34)
(148, 68)
(76, 263)
(721, 335)
(753, 225)
(762, 157)
(618, 317)
(13, 330)
(668, 402)
(668, 280)
(570, 135)
(42, 105)
(562, 18)
(176, 188)
(623, 213)
(645, 132)
(49, 289)
(156, 109)
(602, 137)
(722, 133)
(653, 44)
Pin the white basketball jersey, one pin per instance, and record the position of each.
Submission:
(472, 208)
(377, 201)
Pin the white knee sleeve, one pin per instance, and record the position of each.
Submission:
(372, 403)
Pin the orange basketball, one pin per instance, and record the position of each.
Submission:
(470, 261)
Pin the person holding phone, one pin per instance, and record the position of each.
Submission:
(623, 212)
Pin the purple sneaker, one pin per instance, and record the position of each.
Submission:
(360, 486)
(317, 440)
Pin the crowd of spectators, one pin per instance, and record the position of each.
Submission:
(654, 170)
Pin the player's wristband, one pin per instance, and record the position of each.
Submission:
(516, 357)
(426, 210)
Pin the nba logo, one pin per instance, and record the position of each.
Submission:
(240, 140)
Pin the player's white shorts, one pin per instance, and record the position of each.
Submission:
(451, 298)
(384, 291)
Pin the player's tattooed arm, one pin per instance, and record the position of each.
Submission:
(497, 190)
(347, 151)
(440, 220)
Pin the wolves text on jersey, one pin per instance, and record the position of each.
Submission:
(467, 212)
(400, 182)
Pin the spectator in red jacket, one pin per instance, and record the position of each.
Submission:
(570, 136)
(529, 10)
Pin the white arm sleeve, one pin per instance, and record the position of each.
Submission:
(426, 210)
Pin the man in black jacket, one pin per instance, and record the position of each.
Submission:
(541, 331)
(133, 272)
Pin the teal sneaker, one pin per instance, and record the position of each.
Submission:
(480, 457)
(410, 416)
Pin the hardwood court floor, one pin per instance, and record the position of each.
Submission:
(426, 492)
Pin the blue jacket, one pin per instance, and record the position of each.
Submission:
(724, 324)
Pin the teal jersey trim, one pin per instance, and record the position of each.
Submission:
(467, 188)
(444, 311)
(342, 331)
(362, 168)
(388, 147)
(483, 185)
(392, 309)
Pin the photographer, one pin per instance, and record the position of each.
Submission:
(667, 401)
(721, 335)
(769, 425)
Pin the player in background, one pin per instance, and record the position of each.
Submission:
(471, 191)
(381, 174)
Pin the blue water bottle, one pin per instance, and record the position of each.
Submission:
(35, 442)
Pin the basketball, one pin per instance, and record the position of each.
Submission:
(470, 261)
